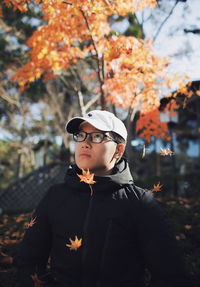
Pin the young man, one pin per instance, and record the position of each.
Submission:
(107, 238)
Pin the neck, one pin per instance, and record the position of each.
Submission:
(102, 172)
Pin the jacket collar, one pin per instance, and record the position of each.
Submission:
(120, 176)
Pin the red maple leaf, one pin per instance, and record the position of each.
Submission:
(31, 223)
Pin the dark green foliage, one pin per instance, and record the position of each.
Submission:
(135, 28)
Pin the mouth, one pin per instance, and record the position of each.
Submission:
(84, 155)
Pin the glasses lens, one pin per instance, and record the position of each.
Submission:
(79, 137)
(97, 137)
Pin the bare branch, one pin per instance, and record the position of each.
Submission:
(51, 89)
(92, 102)
(194, 31)
(100, 71)
(165, 20)
(7, 97)
(81, 102)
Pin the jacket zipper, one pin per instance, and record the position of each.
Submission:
(85, 229)
(104, 251)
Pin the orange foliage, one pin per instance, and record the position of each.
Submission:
(5, 259)
(75, 244)
(54, 46)
(171, 107)
(149, 124)
(130, 74)
(21, 5)
(37, 282)
(1, 12)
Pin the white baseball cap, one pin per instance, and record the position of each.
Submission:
(101, 120)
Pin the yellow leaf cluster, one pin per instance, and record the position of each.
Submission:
(132, 76)
(54, 46)
(133, 73)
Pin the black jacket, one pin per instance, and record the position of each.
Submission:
(123, 229)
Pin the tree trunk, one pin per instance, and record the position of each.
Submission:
(174, 169)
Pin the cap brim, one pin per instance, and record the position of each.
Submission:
(73, 125)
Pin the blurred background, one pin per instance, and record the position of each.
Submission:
(35, 150)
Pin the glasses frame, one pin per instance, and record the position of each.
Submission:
(86, 135)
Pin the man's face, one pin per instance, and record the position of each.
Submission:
(98, 158)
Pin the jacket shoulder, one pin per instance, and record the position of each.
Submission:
(55, 190)
(57, 187)
(139, 194)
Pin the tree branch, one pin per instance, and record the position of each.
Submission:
(100, 71)
(194, 31)
(7, 98)
(165, 20)
(91, 102)
(81, 102)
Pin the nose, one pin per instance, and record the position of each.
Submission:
(87, 142)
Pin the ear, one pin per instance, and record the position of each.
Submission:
(119, 150)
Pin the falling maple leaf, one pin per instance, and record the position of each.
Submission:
(156, 187)
(31, 223)
(188, 227)
(144, 151)
(87, 177)
(5, 259)
(75, 244)
(36, 280)
(166, 151)
(180, 236)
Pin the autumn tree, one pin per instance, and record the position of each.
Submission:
(126, 71)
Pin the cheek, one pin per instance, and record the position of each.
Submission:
(77, 148)
(107, 153)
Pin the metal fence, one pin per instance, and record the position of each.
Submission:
(25, 193)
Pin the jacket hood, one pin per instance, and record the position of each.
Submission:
(120, 176)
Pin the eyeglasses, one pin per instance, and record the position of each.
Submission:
(95, 137)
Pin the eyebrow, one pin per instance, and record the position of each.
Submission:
(96, 131)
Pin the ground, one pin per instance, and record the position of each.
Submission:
(184, 213)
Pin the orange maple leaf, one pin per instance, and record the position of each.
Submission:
(5, 258)
(188, 227)
(75, 244)
(166, 151)
(37, 282)
(156, 187)
(31, 223)
(87, 177)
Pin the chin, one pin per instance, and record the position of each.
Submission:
(84, 166)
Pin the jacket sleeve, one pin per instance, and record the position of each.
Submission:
(161, 252)
(35, 246)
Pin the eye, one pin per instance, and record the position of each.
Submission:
(79, 136)
(97, 137)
